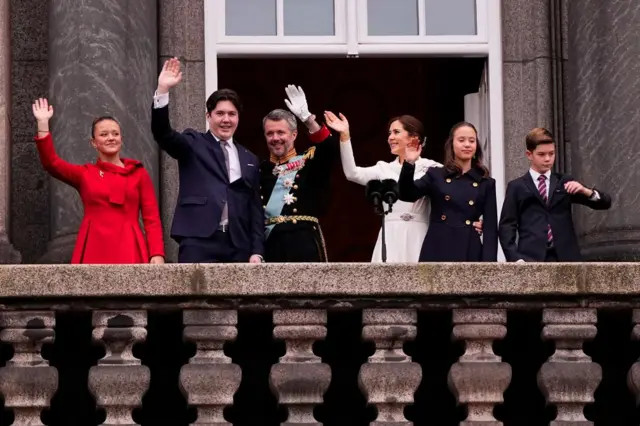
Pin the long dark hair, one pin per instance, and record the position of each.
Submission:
(450, 157)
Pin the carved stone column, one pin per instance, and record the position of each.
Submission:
(210, 380)
(300, 379)
(633, 378)
(7, 253)
(479, 378)
(569, 379)
(603, 76)
(102, 61)
(27, 382)
(118, 382)
(390, 379)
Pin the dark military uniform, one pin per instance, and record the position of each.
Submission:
(294, 195)
(456, 202)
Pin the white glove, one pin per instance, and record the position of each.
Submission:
(297, 102)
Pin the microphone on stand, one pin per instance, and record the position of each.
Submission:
(373, 192)
(390, 191)
(378, 192)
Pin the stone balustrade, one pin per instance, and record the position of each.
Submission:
(357, 344)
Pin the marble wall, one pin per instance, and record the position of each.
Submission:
(181, 35)
(604, 105)
(30, 206)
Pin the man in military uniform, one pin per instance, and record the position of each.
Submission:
(294, 186)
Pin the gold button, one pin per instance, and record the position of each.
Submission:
(446, 197)
(448, 180)
(294, 221)
(444, 217)
(475, 184)
(295, 186)
(468, 222)
(262, 197)
(295, 210)
(471, 202)
(297, 176)
(264, 207)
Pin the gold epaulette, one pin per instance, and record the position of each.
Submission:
(310, 153)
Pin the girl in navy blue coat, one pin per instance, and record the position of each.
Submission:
(461, 193)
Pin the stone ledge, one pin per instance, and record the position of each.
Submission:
(332, 279)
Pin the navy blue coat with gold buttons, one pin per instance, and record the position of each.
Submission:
(457, 200)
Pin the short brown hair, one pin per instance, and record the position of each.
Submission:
(224, 95)
(538, 136)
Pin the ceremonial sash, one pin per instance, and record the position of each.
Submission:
(277, 198)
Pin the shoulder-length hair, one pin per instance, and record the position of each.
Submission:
(449, 156)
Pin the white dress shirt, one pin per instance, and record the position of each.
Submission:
(535, 175)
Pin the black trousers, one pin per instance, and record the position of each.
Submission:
(214, 249)
(297, 245)
(551, 255)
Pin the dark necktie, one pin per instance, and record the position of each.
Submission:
(542, 189)
(224, 144)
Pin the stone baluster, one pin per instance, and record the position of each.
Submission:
(390, 379)
(119, 381)
(210, 380)
(479, 378)
(27, 382)
(569, 378)
(633, 378)
(300, 379)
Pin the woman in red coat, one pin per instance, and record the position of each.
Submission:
(113, 190)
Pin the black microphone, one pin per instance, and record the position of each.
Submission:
(373, 191)
(390, 191)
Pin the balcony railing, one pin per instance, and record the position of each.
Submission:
(333, 344)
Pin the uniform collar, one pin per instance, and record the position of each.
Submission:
(288, 156)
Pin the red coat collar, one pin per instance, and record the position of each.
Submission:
(129, 166)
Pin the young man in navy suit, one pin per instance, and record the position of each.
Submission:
(537, 208)
(219, 214)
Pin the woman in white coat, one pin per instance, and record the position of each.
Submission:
(407, 224)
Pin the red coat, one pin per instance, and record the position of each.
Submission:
(112, 197)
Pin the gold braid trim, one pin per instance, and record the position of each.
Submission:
(282, 219)
(310, 153)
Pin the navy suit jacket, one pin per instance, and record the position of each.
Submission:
(525, 218)
(204, 186)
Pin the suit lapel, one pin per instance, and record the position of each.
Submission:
(243, 156)
(552, 188)
(528, 181)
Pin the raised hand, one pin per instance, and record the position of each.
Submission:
(340, 125)
(42, 111)
(170, 75)
(297, 102)
(412, 152)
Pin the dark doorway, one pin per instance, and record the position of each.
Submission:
(369, 92)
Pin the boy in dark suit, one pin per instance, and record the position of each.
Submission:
(537, 208)
(219, 215)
